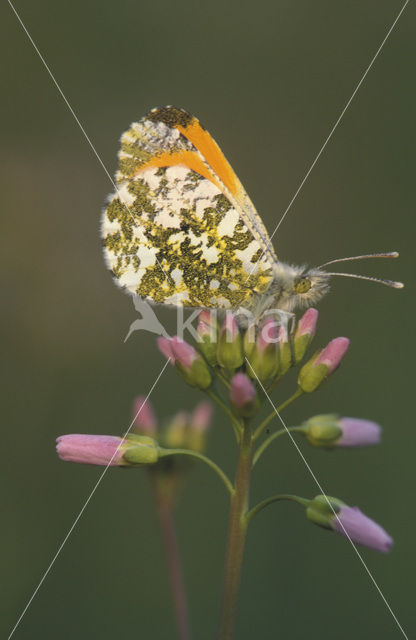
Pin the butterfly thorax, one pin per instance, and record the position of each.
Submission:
(291, 288)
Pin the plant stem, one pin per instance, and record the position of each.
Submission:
(234, 421)
(164, 508)
(262, 448)
(237, 531)
(274, 413)
(265, 503)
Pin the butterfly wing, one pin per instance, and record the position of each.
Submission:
(180, 228)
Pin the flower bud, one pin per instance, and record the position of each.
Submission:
(249, 340)
(263, 357)
(230, 345)
(243, 395)
(107, 450)
(349, 522)
(285, 351)
(175, 433)
(316, 370)
(304, 333)
(164, 345)
(331, 431)
(207, 329)
(187, 360)
(143, 416)
(198, 424)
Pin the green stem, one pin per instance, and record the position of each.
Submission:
(237, 531)
(262, 448)
(272, 415)
(163, 453)
(164, 508)
(265, 503)
(234, 421)
(223, 379)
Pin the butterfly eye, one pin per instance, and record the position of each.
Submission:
(303, 285)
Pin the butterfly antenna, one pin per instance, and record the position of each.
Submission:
(388, 283)
(388, 254)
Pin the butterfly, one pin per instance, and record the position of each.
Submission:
(181, 230)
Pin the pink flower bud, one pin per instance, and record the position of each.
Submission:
(268, 335)
(165, 347)
(230, 327)
(243, 392)
(143, 416)
(209, 318)
(230, 353)
(332, 513)
(328, 430)
(304, 333)
(175, 434)
(199, 422)
(183, 353)
(316, 370)
(207, 330)
(307, 324)
(361, 529)
(358, 433)
(201, 416)
(333, 353)
(203, 330)
(90, 449)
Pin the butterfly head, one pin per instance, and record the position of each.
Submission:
(297, 287)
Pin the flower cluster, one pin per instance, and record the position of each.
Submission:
(250, 362)
(237, 368)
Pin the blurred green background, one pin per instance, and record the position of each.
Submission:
(268, 79)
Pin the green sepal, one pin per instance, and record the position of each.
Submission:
(209, 349)
(264, 366)
(323, 430)
(198, 375)
(141, 454)
(300, 346)
(285, 358)
(319, 511)
(230, 355)
(312, 375)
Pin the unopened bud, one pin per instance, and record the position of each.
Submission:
(316, 370)
(243, 395)
(187, 360)
(175, 433)
(264, 357)
(350, 522)
(304, 333)
(207, 329)
(285, 351)
(144, 419)
(230, 345)
(199, 422)
(331, 431)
